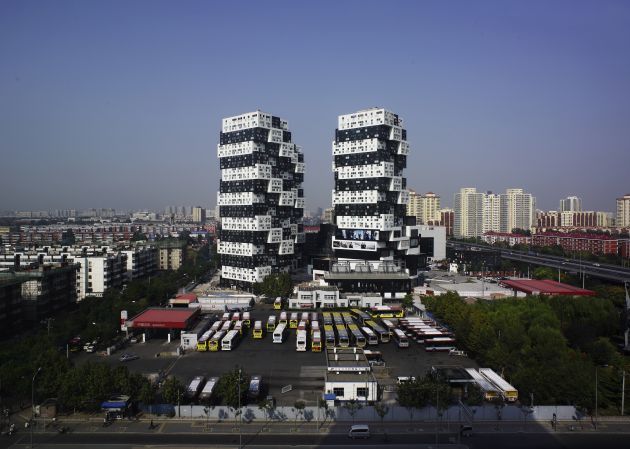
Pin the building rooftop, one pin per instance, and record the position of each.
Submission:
(346, 360)
(157, 318)
(545, 287)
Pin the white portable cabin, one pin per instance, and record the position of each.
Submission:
(278, 333)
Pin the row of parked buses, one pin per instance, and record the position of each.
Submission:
(200, 389)
(492, 385)
(428, 333)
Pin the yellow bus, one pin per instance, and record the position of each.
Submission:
(214, 344)
(387, 312)
(202, 343)
(293, 321)
(258, 330)
(271, 323)
(277, 304)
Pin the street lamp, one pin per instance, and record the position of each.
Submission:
(33, 403)
(240, 415)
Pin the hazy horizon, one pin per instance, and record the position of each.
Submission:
(119, 104)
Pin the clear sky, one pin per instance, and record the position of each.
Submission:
(119, 103)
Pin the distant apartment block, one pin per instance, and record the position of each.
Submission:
(582, 241)
(424, 207)
(571, 204)
(199, 214)
(623, 212)
(171, 255)
(469, 211)
(45, 290)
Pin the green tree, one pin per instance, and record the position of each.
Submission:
(228, 388)
(172, 390)
(299, 407)
(381, 410)
(407, 302)
(474, 395)
(352, 406)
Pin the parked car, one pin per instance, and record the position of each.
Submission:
(359, 431)
(128, 357)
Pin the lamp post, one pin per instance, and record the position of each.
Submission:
(33, 403)
(240, 415)
(595, 397)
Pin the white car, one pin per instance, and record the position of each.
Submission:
(128, 357)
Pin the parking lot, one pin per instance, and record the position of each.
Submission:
(280, 365)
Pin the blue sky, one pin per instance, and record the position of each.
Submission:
(119, 104)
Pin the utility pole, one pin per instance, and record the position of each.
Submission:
(623, 390)
(240, 415)
(595, 397)
(33, 403)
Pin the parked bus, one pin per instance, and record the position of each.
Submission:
(383, 334)
(293, 321)
(255, 384)
(300, 343)
(389, 325)
(361, 316)
(327, 318)
(508, 392)
(236, 316)
(302, 326)
(258, 330)
(314, 326)
(342, 335)
(247, 319)
(215, 342)
(401, 339)
(305, 317)
(337, 319)
(490, 392)
(283, 318)
(316, 341)
(347, 318)
(439, 344)
(279, 333)
(271, 323)
(230, 340)
(225, 317)
(277, 304)
(208, 389)
(329, 333)
(356, 337)
(371, 337)
(216, 326)
(226, 326)
(314, 317)
(202, 344)
(387, 312)
(195, 387)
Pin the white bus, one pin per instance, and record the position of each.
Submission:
(195, 387)
(230, 340)
(238, 326)
(279, 332)
(225, 317)
(216, 326)
(508, 392)
(300, 344)
(283, 318)
(208, 389)
(490, 392)
(372, 339)
(401, 339)
(247, 319)
(314, 326)
(304, 316)
(444, 344)
(314, 316)
(236, 316)
(316, 341)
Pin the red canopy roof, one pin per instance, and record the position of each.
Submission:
(546, 287)
(177, 318)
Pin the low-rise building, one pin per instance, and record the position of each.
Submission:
(309, 296)
(349, 376)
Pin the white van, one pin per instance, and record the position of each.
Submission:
(359, 431)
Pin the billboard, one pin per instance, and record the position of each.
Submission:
(355, 245)
(357, 234)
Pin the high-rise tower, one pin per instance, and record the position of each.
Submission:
(260, 199)
(370, 197)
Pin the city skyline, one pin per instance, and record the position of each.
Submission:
(103, 112)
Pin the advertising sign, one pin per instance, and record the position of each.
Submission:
(357, 234)
(355, 245)
(123, 319)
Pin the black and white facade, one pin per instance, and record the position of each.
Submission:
(370, 196)
(260, 199)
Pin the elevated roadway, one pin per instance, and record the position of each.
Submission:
(602, 271)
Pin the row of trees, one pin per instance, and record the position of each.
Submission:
(545, 346)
